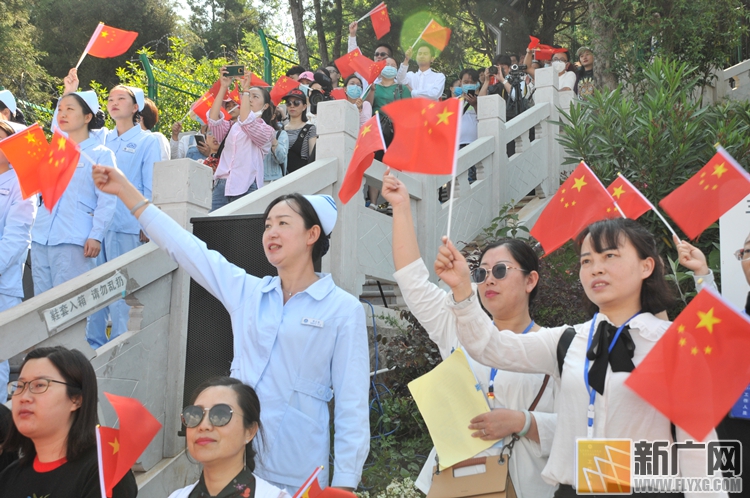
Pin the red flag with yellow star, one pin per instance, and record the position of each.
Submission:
(110, 42)
(201, 106)
(436, 35)
(699, 367)
(707, 195)
(369, 141)
(24, 149)
(311, 489)
(629, 199)
(381, 22)
(368, 68)
(344, 63)
(119, 449)
(56, 168)
(281, 88)
(425, 137)
(580, 201)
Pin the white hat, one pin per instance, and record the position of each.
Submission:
(139, 97)
(9, 100)
(89, 96)
(325, 207)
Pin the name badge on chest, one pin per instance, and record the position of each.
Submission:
(314, 322)
(4, 191)
(130, 148)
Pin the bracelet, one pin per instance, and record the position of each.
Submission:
(139, 206)
(526, 425)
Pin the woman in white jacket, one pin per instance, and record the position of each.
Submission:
(507, 298)
(221, 425)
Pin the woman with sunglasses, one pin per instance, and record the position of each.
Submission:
(302, 135)
(298, 338)
(623, 278)
(222, 423)
(506, 282)
(54, 430)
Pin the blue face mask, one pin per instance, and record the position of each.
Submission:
(458, 91)
(389, 72)
(305, 88)
(469, 87)
(353, 91)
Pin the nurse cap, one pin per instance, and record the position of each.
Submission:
(9, 100)
(89, 96)
(325, 208)
(139, 97)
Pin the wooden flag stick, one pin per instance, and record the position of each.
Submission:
(420, 35)
(93, 38)
(453, 175)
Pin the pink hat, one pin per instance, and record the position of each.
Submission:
(307, 75)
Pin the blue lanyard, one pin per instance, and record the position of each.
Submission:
(493, 372)
(591, 391)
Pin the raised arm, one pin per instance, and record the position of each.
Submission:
(527, 62)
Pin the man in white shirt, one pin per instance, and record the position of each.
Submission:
(425, 82)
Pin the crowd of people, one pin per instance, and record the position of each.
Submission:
(300, 341)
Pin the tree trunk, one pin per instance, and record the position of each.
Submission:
(298, 14)
(322, 47)
(604, 78)
(338, 12)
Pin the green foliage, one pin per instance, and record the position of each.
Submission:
(560, 299)
(505, 225)
(657, 135)
(398, 488)
(219, 26)
(65, 27)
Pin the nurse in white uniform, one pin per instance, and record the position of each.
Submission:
(67, 239)
(136, 151)
(298, 338)
(9, 111)
(16, 219)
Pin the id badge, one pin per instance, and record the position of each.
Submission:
(314, 322)
(741, 409)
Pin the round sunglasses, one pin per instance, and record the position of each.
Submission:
(499, 271)
(219, 415)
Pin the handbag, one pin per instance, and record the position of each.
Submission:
(493, 482)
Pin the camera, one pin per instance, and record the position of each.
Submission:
(517, 74)
(492, 70)
(316, 96)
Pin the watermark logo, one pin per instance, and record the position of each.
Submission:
(623, 466)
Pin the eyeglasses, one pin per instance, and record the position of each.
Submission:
(382, 54)
(36, 386)
(499, 271)
(294, 103)
(742, 254)
(219, 415)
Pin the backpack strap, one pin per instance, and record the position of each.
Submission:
(563, 345)
(539, 394)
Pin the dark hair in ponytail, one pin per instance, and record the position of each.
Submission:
(248, 402)
(268, 113)
(18, 117)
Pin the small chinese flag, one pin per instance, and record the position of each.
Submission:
(580, 201)
(545, 52)
(436, 35)
(201, 106)
(281, 88)
(257, 81)
(110, 42)
(311, 489)
(369, 141)
(56, 168)
(367, 68)
(344, 63)
(699, 367)
(711, 192)
(24, 150)
(232, 93)
(339, 93)
(119, 449)
(425, 135)
(630, 200)
(533, 43)
(381, 22)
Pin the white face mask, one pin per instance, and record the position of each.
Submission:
(558, 66)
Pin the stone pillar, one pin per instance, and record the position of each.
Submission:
(546, 81)
(491, 116)
(338, 128)
(182, 189)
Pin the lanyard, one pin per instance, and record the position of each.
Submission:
(493, 372)
(591, 391)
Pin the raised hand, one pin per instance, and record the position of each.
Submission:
(394, 191)
(109, 180)
(353, 28)
(691, 257)
(70, 82)
(451, 267)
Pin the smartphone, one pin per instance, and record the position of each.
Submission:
(199, 139)
(234, 71)
(473, 93)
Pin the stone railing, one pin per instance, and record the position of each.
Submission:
(732, 83)
(148, 362)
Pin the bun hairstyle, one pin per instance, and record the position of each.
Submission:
(302, 207)
(97, 120)
(149, 114)
(137, 116)
(18, 117)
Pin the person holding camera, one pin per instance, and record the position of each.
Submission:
(426, 82)
(244, 143)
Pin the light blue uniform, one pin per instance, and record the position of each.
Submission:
(136, 152)
(295, 356)
(16, 219)
(83, 212)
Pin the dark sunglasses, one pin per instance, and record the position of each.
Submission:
(294, 103)
(219, 415)
(499, 271)
(382, 54)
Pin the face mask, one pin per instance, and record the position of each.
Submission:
(469, 87)
(458, 91)
(389, 72)
(305, 88)
(558, 66)
(353, 91)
